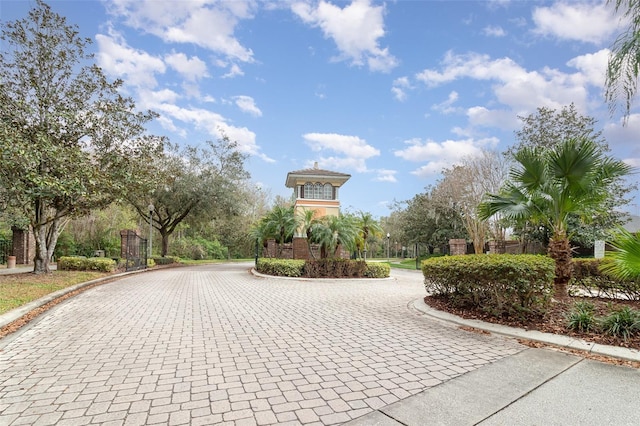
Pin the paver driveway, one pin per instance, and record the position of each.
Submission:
(214, 344)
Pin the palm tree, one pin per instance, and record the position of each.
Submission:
(548, 186)
(281, 224)
(335, 231)
(368, 226)
(624, 59)
(625, 258)
(308, 221)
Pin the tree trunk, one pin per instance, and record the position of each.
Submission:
(46, 236)
(165, 244)
(560, 251)
(41, 260)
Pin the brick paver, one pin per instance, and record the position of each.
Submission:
(216, 345)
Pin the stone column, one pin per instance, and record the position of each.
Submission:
(457, 246)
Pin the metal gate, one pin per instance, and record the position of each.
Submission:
(6, 250)
(135, 248)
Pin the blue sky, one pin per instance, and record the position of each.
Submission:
(389, 92)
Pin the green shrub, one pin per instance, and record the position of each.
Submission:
(377, 270)
(501, 285)
(197, 248)
(587, 275)
(334, 268)
(79, 263)
(167, 260)
(582, 317)
(280, 267)
(622, 323)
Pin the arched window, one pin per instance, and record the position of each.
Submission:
(328, 191)
(308, 190)
(317, 194)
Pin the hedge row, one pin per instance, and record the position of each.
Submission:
(322, 268)
(79, 263)
(587, 276)
(167, 260)
(500, 285)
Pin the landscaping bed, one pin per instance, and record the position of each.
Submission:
(554, 320)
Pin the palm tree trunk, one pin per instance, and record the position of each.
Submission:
(560, 251)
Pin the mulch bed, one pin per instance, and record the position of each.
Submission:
(553, 321)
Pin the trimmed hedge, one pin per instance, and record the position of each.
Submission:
(378, 270)
(588, 276)
(334, 268)
(500, 285)
(167, 260)
(80, 263)
(280, 267)
(322, 268)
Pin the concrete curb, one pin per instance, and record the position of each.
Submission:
(534, 335)
(17, 313)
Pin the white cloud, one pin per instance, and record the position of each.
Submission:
(342, 163)
(620, 135)
(438, 155)
(517, 89)
(502, 119)
(247, 104)
(355, 151)
(399, 88)
(117, 59)
(192, 69)
(208, 24)
(384, 175)
(355, 29)
(494, 31)
(351, 146)
(592, 66)
(234, 71)
(587, 22)
(446, 107)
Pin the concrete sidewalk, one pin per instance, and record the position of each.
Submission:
(533, 387)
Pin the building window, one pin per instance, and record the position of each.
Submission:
(328, 192)
(318, 191)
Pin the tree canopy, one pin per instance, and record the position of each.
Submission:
(200, 182)
(548, 128)
(624, 59)
(548, 186)
(69, 141)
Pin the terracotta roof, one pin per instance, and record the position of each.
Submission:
(315, 172)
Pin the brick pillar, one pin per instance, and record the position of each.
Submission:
(457, 246)
(272, 248)
(300, 248)
(497, 247)
(24, 246)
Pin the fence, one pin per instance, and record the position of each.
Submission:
(6, 250)
(133, 250)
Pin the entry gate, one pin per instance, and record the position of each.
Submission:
(134, 250)
(6, 250)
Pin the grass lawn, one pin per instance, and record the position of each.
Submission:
(20, 289)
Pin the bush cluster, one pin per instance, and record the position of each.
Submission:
(322, 268)
(623, 322)
(378, 270)
(80, 263)
(334, 268)
(500, 285)
(587, 275)
(167, 260)
(197, 248)
(280, 267)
